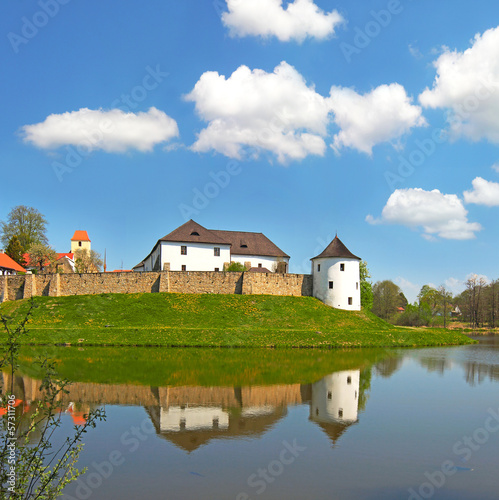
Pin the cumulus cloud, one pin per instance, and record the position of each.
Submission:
(483, 193)
(467, 86)
(276, 112)
(113, 131)
(382, 115)
(266, 18)
(438, 214)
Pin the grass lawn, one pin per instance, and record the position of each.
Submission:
(205, 320)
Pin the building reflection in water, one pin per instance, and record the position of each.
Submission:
(190, 417)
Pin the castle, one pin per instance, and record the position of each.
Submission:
(193, 259)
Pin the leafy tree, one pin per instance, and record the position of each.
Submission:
(415, 315)
(41, 256)
(366, 287)
(28, 224)
(387, 297)
(235, 267)
(430, 296)
(41, 470)
(87, 262)
(445, 298)
(15, 251)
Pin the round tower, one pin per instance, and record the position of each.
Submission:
(336, 277)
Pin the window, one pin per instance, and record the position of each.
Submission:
(217, 269)
(349, 380)
(330, 395)
(216, 252)
(357, 285)
(350, 301)
(79, 243)
(183, 250)
(184, 267)
(330, 285)
(259, 265)
(340, 413)
(194, 233)
(342, 267)
(318, 268)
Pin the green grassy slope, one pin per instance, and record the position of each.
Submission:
(212, 320)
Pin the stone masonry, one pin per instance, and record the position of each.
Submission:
(60, 285)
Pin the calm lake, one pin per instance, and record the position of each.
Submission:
(270, 424)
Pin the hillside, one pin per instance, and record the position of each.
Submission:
(212, 320)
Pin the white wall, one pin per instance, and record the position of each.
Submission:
(336, 397)
(193, 418)
(265, 261)
(345, 283)
(200, 256)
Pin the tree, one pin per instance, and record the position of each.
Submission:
(15, 251)
(445, 299)
(474, 288)
(87, 262)
(41, 470)
(41, 256)
(430, 296)
(366, 287)
(235, 267)
(387, 297)
(28, 224)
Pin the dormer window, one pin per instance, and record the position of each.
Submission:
(194, 233)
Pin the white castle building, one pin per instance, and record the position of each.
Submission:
(192, 247)
(336, 277)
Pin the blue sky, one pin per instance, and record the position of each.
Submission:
(295, 119)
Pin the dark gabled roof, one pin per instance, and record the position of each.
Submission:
(336, 249)
(259, 270)
(192, 232)
(243, 243)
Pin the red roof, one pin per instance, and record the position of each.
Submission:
(80, 236)
(7, 263)
(59, 256)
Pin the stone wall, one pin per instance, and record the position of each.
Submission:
(57, 285)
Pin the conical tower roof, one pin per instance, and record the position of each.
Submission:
(336, 249)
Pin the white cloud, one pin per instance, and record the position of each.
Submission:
(266, 18)
(415, 52)
(495, 167)
(276, 112)
(113, 131)
(382, 115)
(409, 289)
(484, 193)
(454, 286)
(466, 85)
(438, 214)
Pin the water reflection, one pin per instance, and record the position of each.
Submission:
(478, 362)
(190, 417)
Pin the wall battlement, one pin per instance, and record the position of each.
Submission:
(61, 285)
